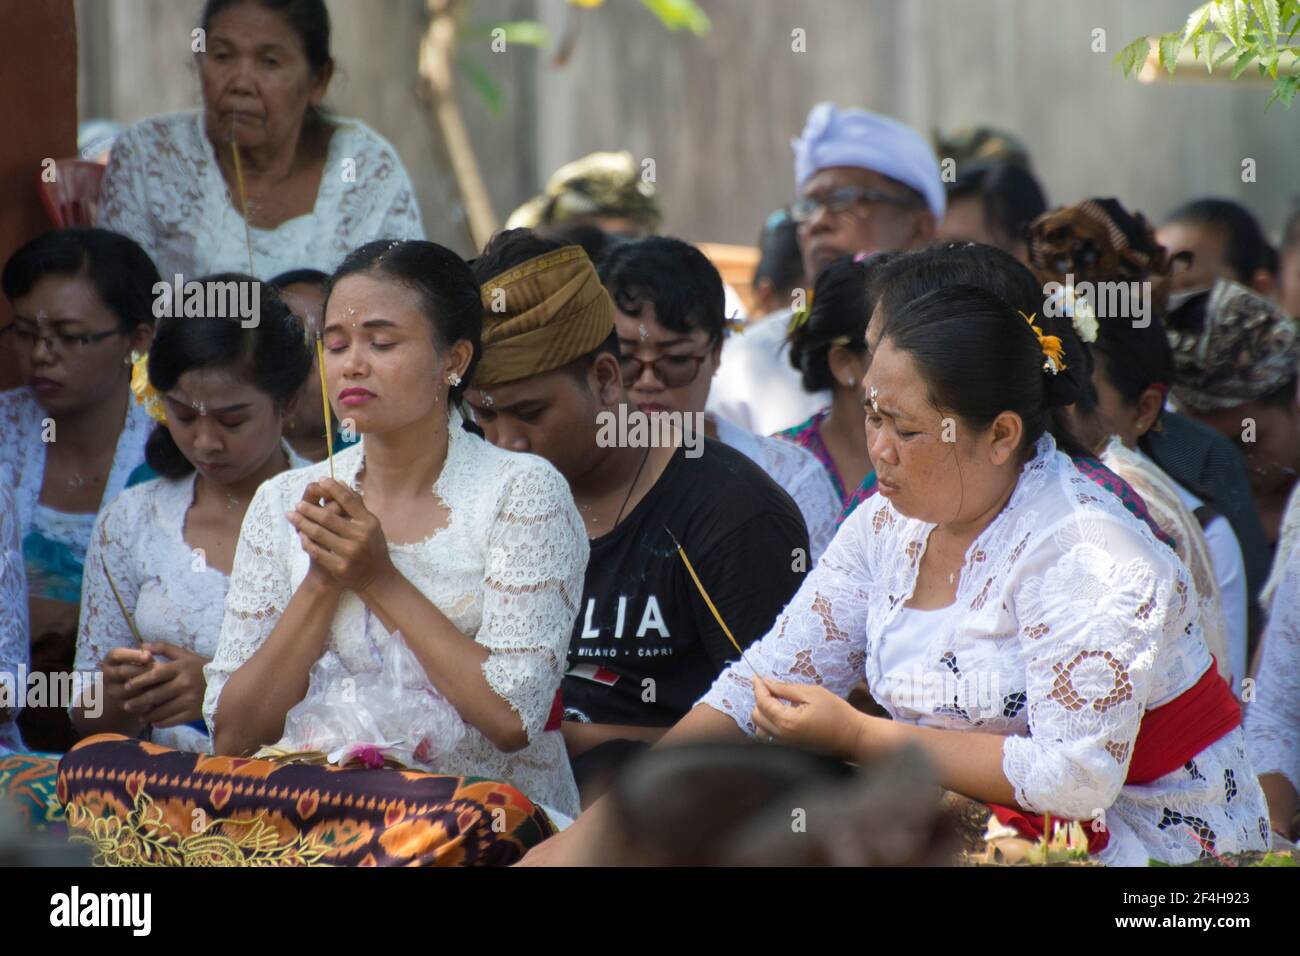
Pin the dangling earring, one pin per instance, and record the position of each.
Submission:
(453, 379)
(850, 382)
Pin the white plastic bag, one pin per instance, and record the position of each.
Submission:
(393, 711)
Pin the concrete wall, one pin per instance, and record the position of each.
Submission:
(717, 114)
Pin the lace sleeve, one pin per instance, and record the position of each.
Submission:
(15, 644)
(820, 638)
(123, 195)
(1095, 603)
(1273, 718)
(537, 557)
(259, 591)
(102, 626)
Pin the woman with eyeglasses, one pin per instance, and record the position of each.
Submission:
(82, 302)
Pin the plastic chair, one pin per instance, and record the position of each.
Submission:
(73, 198)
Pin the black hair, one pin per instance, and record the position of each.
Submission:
(594, 241)
(978, 358)
(273, 353)
(301, 277)
(511, 247)
(842, 302)
(1245, 247)
(912, 275)
(1134, 359)
(448, 291)
(1010, 194)
(310, 19)
(122, 273)
(779, 258)
(675, 277)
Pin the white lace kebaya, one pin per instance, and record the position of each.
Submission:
(799, 473)
(507, 571)
(1273, 717)
(1072, 621)
(172, 593)
(164, 189)
(15, 643)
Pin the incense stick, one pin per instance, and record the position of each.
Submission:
(325, 401)
(243, 199)
(699, 586)
(121, 605)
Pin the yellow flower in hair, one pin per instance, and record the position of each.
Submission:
(1051, 346)
(145, 394)
(800, 317)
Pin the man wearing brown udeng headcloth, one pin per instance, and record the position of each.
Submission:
(645, 645)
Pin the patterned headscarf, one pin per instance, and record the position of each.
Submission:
(541, 315)
(1245, 348)
(598, 184)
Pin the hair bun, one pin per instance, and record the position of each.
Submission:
(1063, 388)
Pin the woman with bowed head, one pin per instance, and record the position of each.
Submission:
(409, 600)
(218, 393)
(262, 178)
(1071, 676)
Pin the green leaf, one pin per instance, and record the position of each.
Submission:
(1269, 15)
(1243, 61)
(680, 15)
(1133, 55)
(1225, 56)
(1196, 20)
(1211, 44)
(1170, 44)
(523, 32)
(1225, 14)
(494, 97)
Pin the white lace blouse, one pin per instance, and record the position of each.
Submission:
(15, 644)
(164, 189)
(507, 570)
(1073, 619)
(22, 462)
(172, 593)
(799, 473)
(1273, 717)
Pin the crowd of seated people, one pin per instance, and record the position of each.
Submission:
(397, 557)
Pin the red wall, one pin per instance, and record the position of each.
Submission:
(38, 119)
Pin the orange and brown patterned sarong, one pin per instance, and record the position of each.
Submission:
(138, 804)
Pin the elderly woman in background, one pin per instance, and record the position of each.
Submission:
(314, 186)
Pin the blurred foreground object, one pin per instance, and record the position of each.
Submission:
(716, 804)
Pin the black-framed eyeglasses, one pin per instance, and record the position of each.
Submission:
(843, 199)
(26, 339)
(673, 370)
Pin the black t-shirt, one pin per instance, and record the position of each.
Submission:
(645, 646)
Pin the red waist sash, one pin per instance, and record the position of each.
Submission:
(1168, 738)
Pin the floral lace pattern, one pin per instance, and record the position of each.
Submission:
(507, 570)
(171, 592)
(799, 473)
(1273, 717)
(1167, 508)
(22, 466)
(164, 189)
(1071, 621)
(15, 645)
